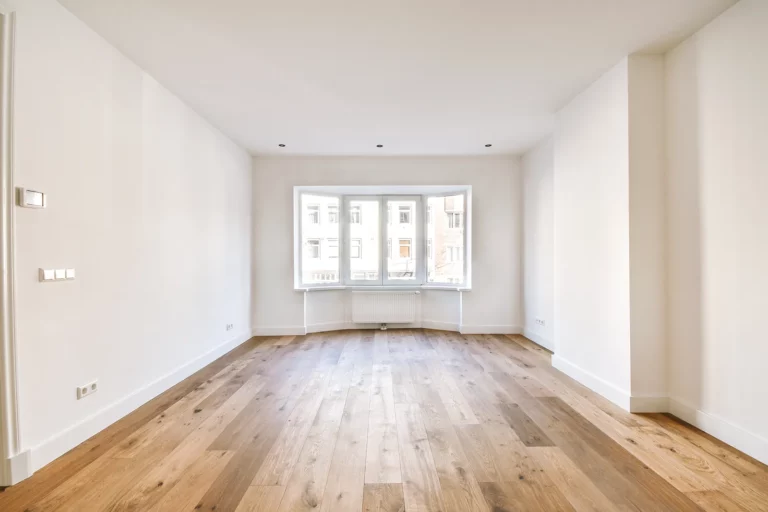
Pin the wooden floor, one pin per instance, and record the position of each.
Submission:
(399, 420)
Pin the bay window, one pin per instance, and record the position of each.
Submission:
(382, 236)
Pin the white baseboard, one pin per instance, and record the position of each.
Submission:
(490, 329)
(296, 330)
(539, 340)
(16, 469)
(593, 382)
(439, 326)
(717, 426)
(750, 443)
(329, 326)
(649, 403)
(326, 327)
(281, 330)
(64, 441)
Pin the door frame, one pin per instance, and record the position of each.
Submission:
(14, 464)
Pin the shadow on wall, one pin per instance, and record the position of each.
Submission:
(686, 288)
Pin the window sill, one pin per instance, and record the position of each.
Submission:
(383, 288)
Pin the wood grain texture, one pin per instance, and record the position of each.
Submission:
(421, 484)
(259, 498)
(395, 421)
(383, 498)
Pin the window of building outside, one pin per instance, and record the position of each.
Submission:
(333, 247)
(356, 248)
(405, 214)
(423, 239)
(313, 213)
(313, 249)
(355, 215)
(454, 220)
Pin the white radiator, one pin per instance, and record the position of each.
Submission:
(384, 307)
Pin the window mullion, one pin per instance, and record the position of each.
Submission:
(383, 238)
(344, 235)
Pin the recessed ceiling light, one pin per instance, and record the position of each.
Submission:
(281, 145)
(488, 145)
(379, 145)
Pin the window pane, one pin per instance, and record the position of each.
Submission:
(364, 239)
(333, 214)
(445, 240)
(320, 240)
(402, 259)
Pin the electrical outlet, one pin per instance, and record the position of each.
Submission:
(230, 327)
(88, 389)
(540, 321)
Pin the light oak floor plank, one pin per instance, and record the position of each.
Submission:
(421, 483)
(383, 498)
(392, 421)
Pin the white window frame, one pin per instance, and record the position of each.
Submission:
(466, 253)
(417, 251)
(384, 194)
(298, 229)
(345, 264)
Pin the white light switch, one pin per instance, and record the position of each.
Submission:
(31, 198)
(70, 273)
(46, 275)
(61, 273)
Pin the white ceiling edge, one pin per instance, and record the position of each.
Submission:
(150, 34)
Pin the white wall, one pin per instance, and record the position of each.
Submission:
(609, 235)
(538, 243)
(591, 244)
(647, 216)
(494, 304)
(717, 101)
(149, 204)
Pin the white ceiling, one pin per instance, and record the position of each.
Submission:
(426, 77)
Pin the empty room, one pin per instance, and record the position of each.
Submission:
(406, 256)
